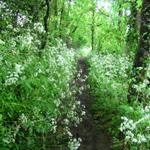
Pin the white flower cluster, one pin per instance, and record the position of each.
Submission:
(57, 102)
(66, 121)
(10, 27)
(129, 128)
(61, 60)
(127, 124)
(147, 109)
(5, 10)
(27, 40)
(14, 76)
(59, 77)
(142, 86)
(74, 144)
(54, 125)
(23, 118)
(111, 65)
(67, 131)
(110, 72)
(2, 5)
(21, 19)
(39, 27)
(140, 139)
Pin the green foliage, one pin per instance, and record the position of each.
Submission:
(109, 79)
(35, 94)
(37, 101)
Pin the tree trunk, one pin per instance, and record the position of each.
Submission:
(61, 19)
(54, 12)
(143, 51)
(93, 28)
(120, 16)
(46, 20)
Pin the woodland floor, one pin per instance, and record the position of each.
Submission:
(93, 138)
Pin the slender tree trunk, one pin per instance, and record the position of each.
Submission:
(69, 35)
(61, 19)
(93, 29)
(120, 16)
(55, 12)
(143, 52)
(46, 20)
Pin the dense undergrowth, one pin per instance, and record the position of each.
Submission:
(38, 91)
(37, 106)
(109, 80)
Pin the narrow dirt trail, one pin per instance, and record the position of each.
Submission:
(92, 137)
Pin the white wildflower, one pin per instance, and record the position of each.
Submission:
(39, 27)
(66, 121)
(141, 139)
(10, 26)
(23, 119)
(21, 19)
(19, 68)
(14, 76)
(27, 39)
(74, 144)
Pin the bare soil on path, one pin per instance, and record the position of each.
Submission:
(93, 138)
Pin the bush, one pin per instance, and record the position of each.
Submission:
(36, 101)
(109, 80)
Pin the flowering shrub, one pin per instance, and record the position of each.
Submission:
(13, 77)
(37, 106)
(39, 27)
(137, 131)
(108, 74)
(109, 81)
(74, 144)
(142, 88)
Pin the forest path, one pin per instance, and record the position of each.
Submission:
(92, 137)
